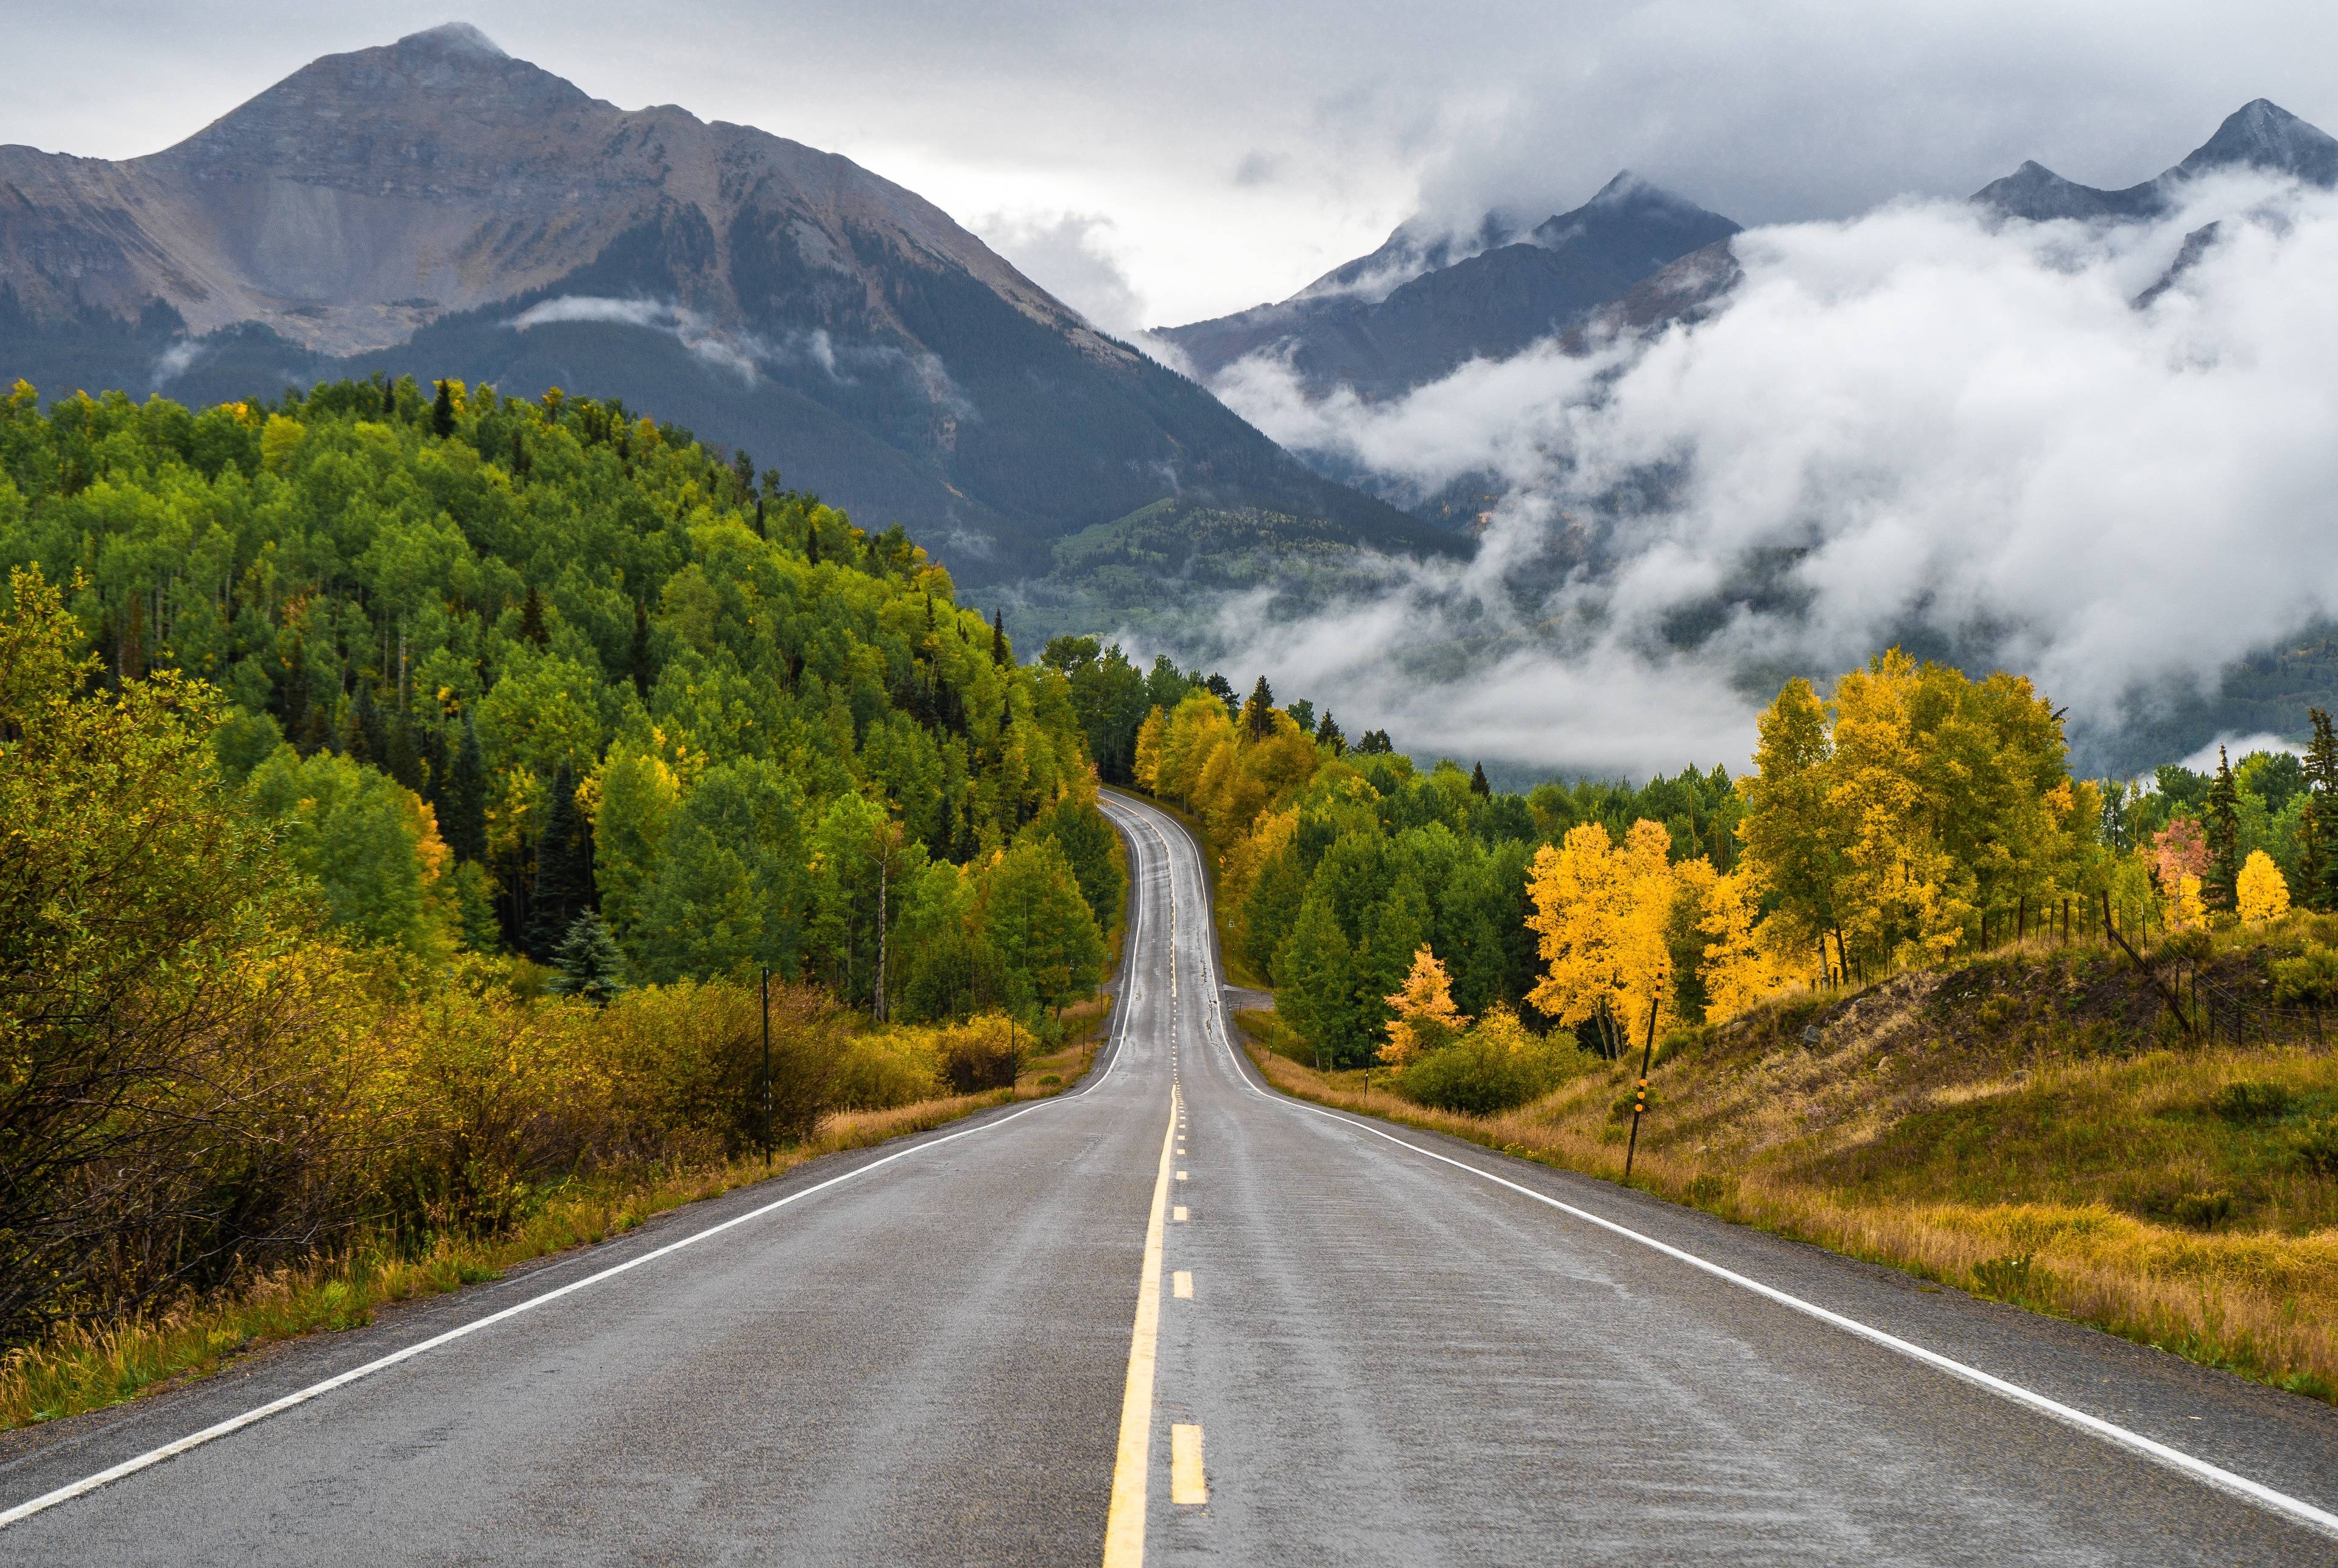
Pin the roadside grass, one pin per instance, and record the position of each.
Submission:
(2028, 1126)
(88, 1367)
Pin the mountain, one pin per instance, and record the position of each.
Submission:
(435, 206)
(1415, 309)
(2260, 134)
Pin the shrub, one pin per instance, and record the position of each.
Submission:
(1498, 1066)
(2244, 1101)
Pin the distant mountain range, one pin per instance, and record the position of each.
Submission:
(436, 207)
(1416, 307)
(1633, 258)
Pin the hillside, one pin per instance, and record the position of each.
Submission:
(434, 207)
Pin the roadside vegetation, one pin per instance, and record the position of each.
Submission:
(1910, 990)
(403, 800)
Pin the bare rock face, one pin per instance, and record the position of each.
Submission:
(369, 193)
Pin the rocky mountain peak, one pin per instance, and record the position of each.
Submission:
(2261, 134)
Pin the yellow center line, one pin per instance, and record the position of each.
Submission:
(1188, 1484)
(1180, 1284)
(1181, 1175)
(1178, 1214)
(1123, 1529)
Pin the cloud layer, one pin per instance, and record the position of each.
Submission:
(1913, 426)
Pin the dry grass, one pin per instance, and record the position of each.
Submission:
(83, 1366)
(2014, 1127)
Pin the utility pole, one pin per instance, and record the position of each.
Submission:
(1640, 1102)
(767, 1067)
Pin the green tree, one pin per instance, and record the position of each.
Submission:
(1031, 911)
(1316, 986)
(563, 886)
(587, 962)
(2318, 832)
(466, 797)
(2224, 830)
(353, 832)
(1090, 845)
(729, 892)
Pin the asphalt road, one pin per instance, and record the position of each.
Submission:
(1243, 1330)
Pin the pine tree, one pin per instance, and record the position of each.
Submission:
(401, 758)
(1258, 713)
(1000, 653)
(587, 962)
(1327, 733)
(640, 660)
(2318, 833)
(1478, 785)
(465, 826)
(563, 869)
(365, 741)
(531, 618)
(811, 541)
(2224, 824)
(442, 412)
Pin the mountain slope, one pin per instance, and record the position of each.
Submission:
(1352, 327)
(435, 206)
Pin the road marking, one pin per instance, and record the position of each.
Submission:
(252, 1417)
(1123, 1529)
(1188, 1484)
(1178, 1214)
(2214, 1477)
(1181, 1285)
(1181, 1175)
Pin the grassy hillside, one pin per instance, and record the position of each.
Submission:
(2034, 1125)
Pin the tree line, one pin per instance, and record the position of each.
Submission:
(402, 790)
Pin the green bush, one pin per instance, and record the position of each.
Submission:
(1481, 1073)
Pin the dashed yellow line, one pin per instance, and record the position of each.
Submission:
(1178, 1214)
(1181, 1285)
(1189, 1483)
(1123, 1529)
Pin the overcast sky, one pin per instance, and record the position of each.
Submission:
(1158, 163)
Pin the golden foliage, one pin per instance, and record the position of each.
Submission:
(2264, 894)
(1425, 1017)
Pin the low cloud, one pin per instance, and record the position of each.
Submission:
(174, 362)
(685, 325)
(1070, 256)
(749, 355)
(1918, 426)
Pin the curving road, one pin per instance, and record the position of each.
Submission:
(1174, 1316)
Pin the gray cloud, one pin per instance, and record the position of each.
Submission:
(1069, 255)
(1912, 424)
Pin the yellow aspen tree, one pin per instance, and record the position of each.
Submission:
(1425, 1017)
(1746, 958)
(1600, 915)
(2186, 911)
(2264, 894)
(1147, 766)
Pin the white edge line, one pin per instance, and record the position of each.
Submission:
(2292, 1508)
(252, 1417)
